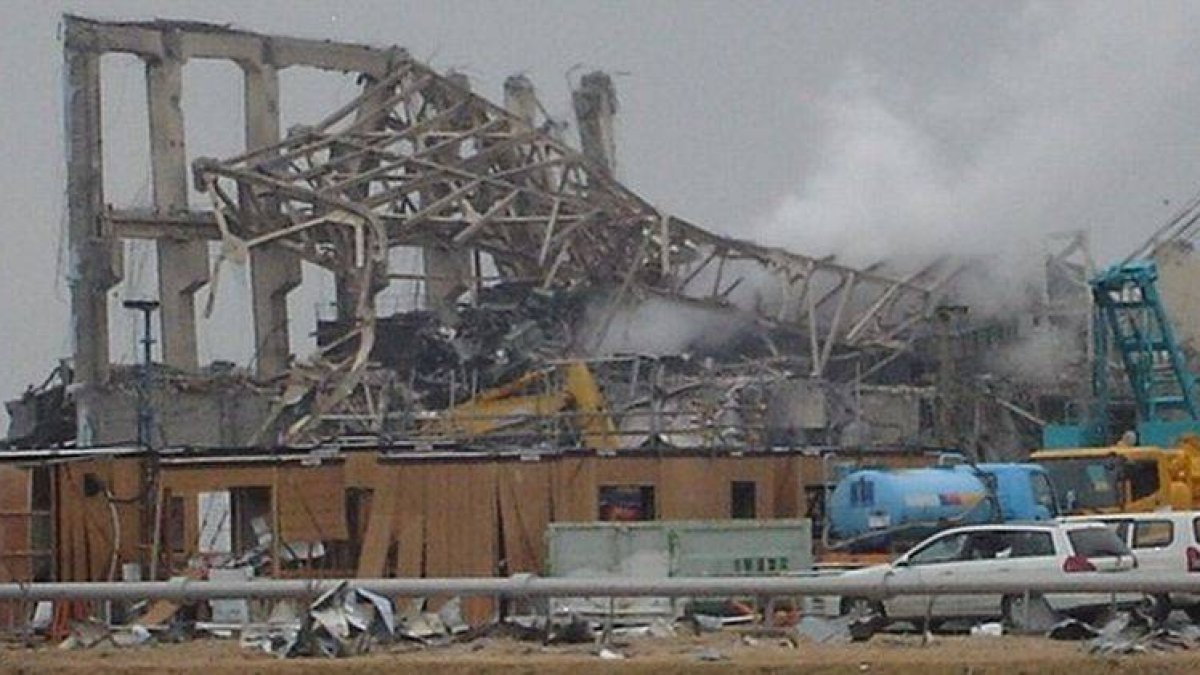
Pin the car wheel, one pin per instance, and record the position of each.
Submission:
(1013, 610)
(1157, 607)
(861, 607)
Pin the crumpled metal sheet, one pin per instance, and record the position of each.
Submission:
(344, 621)
(842, 629)
(1130, 632)
(437, 627)
(86, 634)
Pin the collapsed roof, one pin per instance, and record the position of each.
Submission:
(498, 203)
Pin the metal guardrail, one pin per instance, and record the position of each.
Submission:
(528, 586)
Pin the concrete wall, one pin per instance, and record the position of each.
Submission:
(217, 416)
(1179, 283)
(797, 412)
(890, 417)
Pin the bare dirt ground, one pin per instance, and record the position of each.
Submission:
(957, 655)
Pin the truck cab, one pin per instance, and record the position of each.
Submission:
(1120, 479)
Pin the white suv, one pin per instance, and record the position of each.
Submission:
(1026, 551)
(1166, 543)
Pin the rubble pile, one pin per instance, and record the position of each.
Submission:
(1129, 632)
(344, 621)
(439, 358)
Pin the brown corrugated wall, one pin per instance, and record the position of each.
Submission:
(430, 517)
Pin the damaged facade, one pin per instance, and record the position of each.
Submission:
(571, 352)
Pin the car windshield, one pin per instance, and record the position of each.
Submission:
(1096, 542)
(1085, 483)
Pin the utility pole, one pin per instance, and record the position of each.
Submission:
(151, 504)
(950, 393)
(145, 415)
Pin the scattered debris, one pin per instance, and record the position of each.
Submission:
(283, 612)
(849, 628)
(160, 612)
(1129, 632)
(85, 635)
(711, 654)
(181, 629)
(990, 629)
(451, 616)
(92, 633)
(277, 640)
(704, 623)
(575, 631)
(660, 628)
(44, 416)
(421, 626)
(342, 622)
(131, 636)
(231, 610)
(43, 616)
(821, 630)
(523, 627)
(610, 655)
(1072, 629)
(1125, 633)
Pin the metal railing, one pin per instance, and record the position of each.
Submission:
(529, 586)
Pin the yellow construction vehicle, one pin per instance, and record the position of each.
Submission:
(568, 391)
(1123, 478)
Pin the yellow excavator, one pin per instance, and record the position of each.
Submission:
(535, 396)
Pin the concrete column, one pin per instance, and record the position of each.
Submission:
(182, 265)
(274, 270)
(347, 284)
(446, 267)
(448, 270)
(95, 263)
(595, 107)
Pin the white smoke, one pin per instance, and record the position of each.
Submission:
(1056, 132)
(1040, 356)
(656, 327)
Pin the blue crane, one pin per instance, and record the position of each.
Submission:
(1128, 316)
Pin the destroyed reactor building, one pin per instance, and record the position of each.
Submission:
(568, 351)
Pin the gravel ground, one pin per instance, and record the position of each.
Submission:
(957, 655)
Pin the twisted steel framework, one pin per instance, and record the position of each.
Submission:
(418, 160)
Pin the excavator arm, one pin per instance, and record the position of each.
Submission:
(507, 407)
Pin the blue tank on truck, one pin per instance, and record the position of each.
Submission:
(909, 504)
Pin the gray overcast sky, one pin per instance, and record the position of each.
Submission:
(861, 128)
